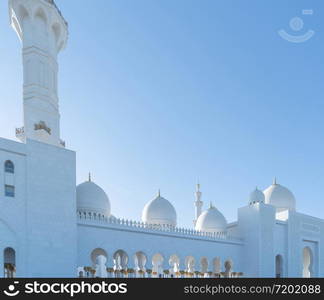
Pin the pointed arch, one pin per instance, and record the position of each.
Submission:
(23, 12)
(140, 259)
(157, 265)
(228, 266)
(307, 262)
(174, 263)
(204, 265)
(120, 258)
(97, 252)
(190, 265)
(9, 167)
(40, 13)
(217, 266)
(57, 31)
(9, 259)
(17, 19)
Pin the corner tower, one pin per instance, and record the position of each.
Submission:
(43, 32)
(46, 178)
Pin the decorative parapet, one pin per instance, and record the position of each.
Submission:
(152, 228)
(20, 133)
(62, 143)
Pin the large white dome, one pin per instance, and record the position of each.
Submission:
(92, 198)
(211, 220)
(159, 211)
(280, 197)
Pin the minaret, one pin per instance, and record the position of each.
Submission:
(43, 32)
(198, 203)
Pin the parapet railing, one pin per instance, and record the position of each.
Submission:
(142, 226)
(20, 132)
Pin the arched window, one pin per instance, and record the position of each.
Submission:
(9, 167)
(9, 259)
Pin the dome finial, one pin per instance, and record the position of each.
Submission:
(275, 181)
(89, 176)
(211, 205)
(159, 193)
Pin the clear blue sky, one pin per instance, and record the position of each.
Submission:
(154, 94)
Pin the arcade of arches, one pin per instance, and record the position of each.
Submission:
(158, 266)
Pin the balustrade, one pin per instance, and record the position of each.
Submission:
(89, 216)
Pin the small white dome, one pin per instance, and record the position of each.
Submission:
(280, 197)
(211, 220)
(92, 198)
(159, 211)
(256, 196)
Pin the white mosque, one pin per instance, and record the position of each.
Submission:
(49, 227)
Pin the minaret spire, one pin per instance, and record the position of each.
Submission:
(198, 192)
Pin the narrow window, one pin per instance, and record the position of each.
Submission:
(279, 266)
(9, 191)
(307, 263)
(9, 260)
(9, 167)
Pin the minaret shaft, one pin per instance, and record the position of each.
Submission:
(198, 203)
(43, 33)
